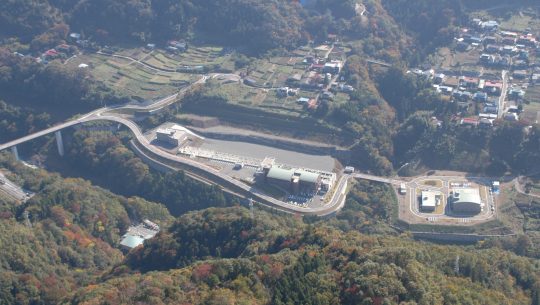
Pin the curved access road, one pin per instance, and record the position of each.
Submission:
(111, 114)
(336, 202)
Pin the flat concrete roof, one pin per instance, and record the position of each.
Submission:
(132, 241)
(462, 195)
(428, 199)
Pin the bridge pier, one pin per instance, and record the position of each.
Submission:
(15, 152)
(59, 142)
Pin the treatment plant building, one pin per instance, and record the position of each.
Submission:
(466, 201)
(294, 180)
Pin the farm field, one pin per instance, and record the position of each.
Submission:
(209, 58)
(274, 72)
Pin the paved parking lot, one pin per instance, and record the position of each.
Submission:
(297, 159)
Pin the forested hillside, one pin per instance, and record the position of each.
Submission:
(71, 236)
(262, 260)
(104, 158)
(254, 26)
(23, 81)
(62, 245)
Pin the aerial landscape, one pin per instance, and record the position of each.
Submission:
(270, 152)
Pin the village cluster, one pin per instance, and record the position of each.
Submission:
(315, 79)
(493, 85)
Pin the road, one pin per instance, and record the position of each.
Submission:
(334, 204)
(519, 189)
(153, 106)
(445, 188)
(112, 114)
(109, 114)
(503, 93)
(378, 179)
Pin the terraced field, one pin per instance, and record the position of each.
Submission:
(135, 79)
(275, 71)
(209, 57)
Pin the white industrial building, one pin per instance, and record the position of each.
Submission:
(171, 136)
(466, 201)
(430, 200)
(136, 235)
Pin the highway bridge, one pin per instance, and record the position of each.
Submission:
(217, 177)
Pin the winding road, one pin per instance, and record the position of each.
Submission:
(112, 114)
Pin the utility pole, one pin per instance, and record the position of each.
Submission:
(251, 208)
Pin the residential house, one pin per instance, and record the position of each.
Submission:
(180, 46)
(516, 93)
(509, 50)
(490, 40)
(469, 121)
(490, 25)
(509, 116)
(302, 100)
(509, 41)
(520, 64)
(438, 78)
(468, 82)
(520, 74)
(485, 123)
(486, 59)
(462, 95)
(317, 67)
(50, 54)
(493, 87)
(492, 49)
(333, 67)
(480, 97)
(75, 36)
(535, 79)
(282, 92)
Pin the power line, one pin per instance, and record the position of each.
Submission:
(26, 216)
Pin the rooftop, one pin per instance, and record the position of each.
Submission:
(131, 241)
(429, 198)
(462, 195)
(286, 174)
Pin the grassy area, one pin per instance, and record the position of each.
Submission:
(436, 183)
(531, 107)
(512, 19)
(262, 99)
